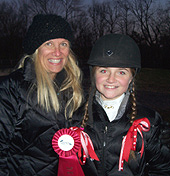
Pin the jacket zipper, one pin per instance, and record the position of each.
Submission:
(104, 144)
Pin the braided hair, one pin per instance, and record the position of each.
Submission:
(133, 98)
(86, 116)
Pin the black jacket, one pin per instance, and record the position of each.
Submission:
(26, 130)
(107, 140)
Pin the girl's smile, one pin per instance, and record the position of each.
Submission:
(112, 82)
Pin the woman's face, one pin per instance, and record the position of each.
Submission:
(112, 82)
(53, 55)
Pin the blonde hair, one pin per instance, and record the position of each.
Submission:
(47, 89)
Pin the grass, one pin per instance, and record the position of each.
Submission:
(154, 80)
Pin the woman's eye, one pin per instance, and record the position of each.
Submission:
(64, 44)
(49, 44)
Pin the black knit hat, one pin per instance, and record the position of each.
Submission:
(43, 28)
(115, 50)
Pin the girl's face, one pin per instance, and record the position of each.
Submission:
(112, 82)
(53, 55)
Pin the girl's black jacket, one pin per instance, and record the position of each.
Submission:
(107, 140)
(26, 130)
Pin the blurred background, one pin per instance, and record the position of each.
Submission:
(146, 21)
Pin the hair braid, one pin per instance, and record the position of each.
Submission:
(88, 105)
(133, 113)
(134, 110)
(86, 116)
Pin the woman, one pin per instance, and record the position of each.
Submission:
(124, 133)
(38, 99)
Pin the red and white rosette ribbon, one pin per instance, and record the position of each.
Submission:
(130, 140)
(86, 145)
(66, 143)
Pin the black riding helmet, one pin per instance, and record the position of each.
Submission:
(115, 50)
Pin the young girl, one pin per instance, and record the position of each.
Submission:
(124, 133)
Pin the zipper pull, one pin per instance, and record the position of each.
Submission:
(105, 132)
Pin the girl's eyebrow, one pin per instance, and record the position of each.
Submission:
(101, 67)
(124, 69)
(114, 67)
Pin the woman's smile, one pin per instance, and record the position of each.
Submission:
(54, 61)
(53, 55)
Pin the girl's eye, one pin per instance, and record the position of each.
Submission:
(122, 72)
(103, 71)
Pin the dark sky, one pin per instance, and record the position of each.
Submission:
(163, 2)
(159, 1)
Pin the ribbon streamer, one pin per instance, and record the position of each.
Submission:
(130, 140)
(86, 144)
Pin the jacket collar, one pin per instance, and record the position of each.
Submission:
(29, 70)
(121, 111)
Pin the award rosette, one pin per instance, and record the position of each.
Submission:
(66, 143)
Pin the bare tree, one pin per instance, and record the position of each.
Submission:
(148, 20)
(126, 21)
(102, 18)
(69, 7)
(112, 16)
(145, 20)
(144, 13)
(11, 33)
(42, 6)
